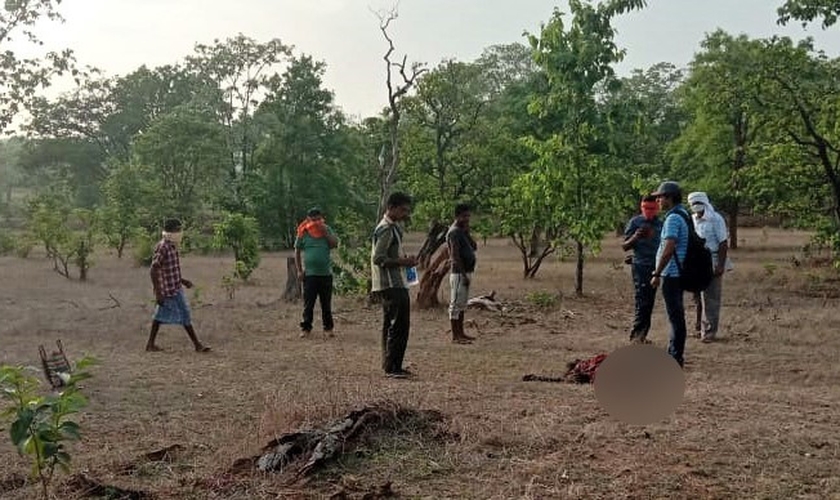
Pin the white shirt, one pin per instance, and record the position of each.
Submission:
(713, 230)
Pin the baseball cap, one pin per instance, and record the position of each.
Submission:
(667, 187)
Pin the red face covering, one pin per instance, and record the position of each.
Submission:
(650, 209)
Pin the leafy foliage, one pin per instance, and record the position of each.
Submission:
(20, 77)
(240, 233)
(41, 426)
(186, 156)
(807, 11)
(547, 144)
(574, 173)
(129, 192)
(68, 234)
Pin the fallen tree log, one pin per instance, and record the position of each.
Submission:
(487, 302)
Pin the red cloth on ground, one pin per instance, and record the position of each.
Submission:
(583, 371)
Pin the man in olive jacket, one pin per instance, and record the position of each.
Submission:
(388, 281)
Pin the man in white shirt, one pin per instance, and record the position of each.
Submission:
(711, 226)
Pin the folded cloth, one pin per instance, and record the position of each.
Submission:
(316, 229)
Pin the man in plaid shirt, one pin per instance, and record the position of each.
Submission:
(172, 307)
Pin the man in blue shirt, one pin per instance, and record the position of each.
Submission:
(674, 241)
(642, 236)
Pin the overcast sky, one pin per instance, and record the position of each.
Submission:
(120, 35)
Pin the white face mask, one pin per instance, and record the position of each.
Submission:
(173, 237)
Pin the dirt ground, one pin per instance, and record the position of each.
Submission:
(759, 418)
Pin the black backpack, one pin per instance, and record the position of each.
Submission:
(696, 272)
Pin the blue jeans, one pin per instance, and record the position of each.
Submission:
(645, 299)
(673, 295)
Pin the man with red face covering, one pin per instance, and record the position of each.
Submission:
(642, 235)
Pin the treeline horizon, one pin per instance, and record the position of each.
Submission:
(541, 137)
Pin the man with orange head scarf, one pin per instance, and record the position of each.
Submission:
(642, 236)
(314, 241)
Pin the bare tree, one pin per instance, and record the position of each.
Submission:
(396, 91)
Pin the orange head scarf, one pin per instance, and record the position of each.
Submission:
(315, 228)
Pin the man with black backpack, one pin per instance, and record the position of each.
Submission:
(674, 240)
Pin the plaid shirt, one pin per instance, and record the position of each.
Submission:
(167, 260)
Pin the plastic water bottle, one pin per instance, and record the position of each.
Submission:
(411, 276)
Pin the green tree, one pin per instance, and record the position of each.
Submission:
(76, 161)
(807, 11)
(644, 116)
(505, 65)
(440, 118)
(186, 155)
(131, 205)
(301, 159)
(68, 234)
(20, 78)
(241, 234)
(720, 142)
(530, 219)
(111, 112)
(241, 69)
(574, 171)
(799, 91)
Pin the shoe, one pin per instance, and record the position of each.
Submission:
(397, 375)
(203, 348)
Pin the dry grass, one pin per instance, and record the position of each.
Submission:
(759, 419)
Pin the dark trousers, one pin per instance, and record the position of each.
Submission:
(645, 299)
(321, 288)
(396, 320)
(673, 295)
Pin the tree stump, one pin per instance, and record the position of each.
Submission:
(294, 285)
(430, 281)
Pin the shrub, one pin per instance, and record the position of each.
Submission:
(41, 425)
(7, 243)
(241, 234)
(143, 250)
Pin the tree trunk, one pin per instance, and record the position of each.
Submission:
(293, 282)
(430, 281)
(733, 228)
(579, 270)
(740, 161)
(434, 239)
(535, 243)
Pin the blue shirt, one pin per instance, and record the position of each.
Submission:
(674, 228)
(644, 251)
